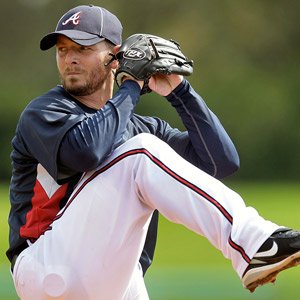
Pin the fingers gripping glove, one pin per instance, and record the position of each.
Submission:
(143, 55)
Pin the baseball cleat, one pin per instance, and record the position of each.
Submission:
(279, 252)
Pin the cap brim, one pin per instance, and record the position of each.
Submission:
(79, 37)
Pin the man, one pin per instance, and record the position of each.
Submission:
(89, 174)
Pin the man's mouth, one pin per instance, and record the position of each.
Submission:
(75, 72)
(72, 73)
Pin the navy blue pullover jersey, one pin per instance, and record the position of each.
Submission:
(58, 138)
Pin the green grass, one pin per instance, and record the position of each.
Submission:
(7, 291)
(186, 266)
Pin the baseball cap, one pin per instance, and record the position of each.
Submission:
(86, 25)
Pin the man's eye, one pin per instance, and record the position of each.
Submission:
(62, 49)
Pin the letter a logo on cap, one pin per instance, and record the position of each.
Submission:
(75, 19)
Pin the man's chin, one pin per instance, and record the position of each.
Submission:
(75, 90)
(74, 87)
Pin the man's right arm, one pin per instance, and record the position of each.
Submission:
(65, 139)
(86, 145)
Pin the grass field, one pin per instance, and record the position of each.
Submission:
(186, 266)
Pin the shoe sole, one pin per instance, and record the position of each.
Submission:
(266, 274)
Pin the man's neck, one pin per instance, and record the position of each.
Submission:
(97, 99)
(94, 101)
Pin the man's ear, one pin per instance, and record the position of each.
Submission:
(116, 49)
(115, 63)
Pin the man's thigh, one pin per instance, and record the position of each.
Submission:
(94, 244)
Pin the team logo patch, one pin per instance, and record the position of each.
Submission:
(75, 19)
(134, 53)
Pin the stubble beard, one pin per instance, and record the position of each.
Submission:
(94, 81)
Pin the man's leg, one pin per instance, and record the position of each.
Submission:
(206, 206)
(97, 239)
(93, 247)
(188, 196)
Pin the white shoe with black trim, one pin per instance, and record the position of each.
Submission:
(279, 252)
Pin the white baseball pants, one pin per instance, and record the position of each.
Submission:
(92, 251)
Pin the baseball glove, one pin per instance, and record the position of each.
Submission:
(143, 55)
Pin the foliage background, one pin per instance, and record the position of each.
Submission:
(247, 69)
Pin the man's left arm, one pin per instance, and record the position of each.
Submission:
(207, 144)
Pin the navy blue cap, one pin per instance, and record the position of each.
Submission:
(86, 25)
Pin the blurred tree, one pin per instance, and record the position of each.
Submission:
(246, 56)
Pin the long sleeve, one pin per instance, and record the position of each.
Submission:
(90, 141)
(208, 145)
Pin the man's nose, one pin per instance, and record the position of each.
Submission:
(71, 57)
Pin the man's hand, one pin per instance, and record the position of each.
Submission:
(164, 84)
(142, 56)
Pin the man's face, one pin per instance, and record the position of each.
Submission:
(81, 68)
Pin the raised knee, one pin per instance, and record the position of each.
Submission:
(148, 141)
(61, 283)
(55, 285)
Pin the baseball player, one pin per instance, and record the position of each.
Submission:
(89, 174)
